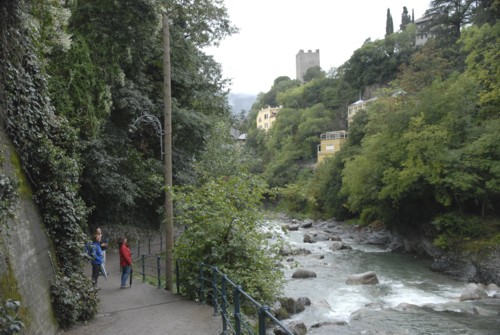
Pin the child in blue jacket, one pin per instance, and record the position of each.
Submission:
(98, 258)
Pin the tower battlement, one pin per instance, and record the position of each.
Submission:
(305, 61)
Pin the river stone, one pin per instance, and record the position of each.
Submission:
(483, 311)
(293, 306)
(329, 323)
(321, 236)
(293, 227)
(379, 238)
(305, 300)
(367, 278)
(336, 245)
(286, 251)
(473, 292)
(408, 307)
(307, 224)
(308, 239)
(492, 289)
(304, 274)
(297, 328)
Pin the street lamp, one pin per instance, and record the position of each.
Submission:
(148, 118)
(164, 136)
(167, 155)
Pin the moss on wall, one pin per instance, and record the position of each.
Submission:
(24, 186)
(10, 290)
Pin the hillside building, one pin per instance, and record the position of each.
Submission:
(353, 108)
(330, 143)
(305, 61)
(423, 30)
(266, 117)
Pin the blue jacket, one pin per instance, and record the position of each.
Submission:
(98, 253)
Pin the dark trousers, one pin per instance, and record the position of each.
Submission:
(96, 271)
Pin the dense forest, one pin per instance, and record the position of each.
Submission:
(423, 157)
(74, 75)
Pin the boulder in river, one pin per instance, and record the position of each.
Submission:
(337, 245)
(297, 328)
(302, 273)
(308, 239)
(473, 292)
(305, 300)
(287, 251)
(408, 307)
(307, 224)
(367, 278)
(329, 323)
(293, 306)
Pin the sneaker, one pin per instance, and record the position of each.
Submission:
(123, 286)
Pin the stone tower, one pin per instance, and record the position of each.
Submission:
(304, 61)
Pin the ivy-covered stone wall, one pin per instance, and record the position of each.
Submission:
(46, 148)
(26, 271)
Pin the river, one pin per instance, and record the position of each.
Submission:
(409, 299)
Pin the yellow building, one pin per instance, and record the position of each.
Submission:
(330, 143)
(266, 117)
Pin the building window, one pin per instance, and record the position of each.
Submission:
(330, 147)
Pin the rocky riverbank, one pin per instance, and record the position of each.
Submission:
(320, 257)
(481, 267)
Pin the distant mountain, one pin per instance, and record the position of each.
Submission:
(241, 101)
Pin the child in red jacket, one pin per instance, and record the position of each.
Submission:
(125, 261)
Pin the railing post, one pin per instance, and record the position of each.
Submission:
(214, 290)
(138, 247)
(158, 267)
(143, 268)
(202, 284)
(262, 319)
(224, 304)
(177, 276)
(149, 246)
(237, 315)
(161, 244)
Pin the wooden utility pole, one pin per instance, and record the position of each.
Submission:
(167, 108)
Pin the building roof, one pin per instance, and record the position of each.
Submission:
(423, 19)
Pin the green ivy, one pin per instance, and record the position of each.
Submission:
(47, 147)
(10, 323)
(13, 317)
(74, 299)
(8, 196)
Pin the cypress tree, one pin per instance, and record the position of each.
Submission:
(389, 25)
(405, 19)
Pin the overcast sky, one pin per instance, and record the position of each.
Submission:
(273, 31)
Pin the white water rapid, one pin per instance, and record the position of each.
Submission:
(409, 299)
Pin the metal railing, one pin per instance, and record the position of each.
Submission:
(151, 265)
(229, 300)
(240, 313)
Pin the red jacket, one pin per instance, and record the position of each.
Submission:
(125, 255)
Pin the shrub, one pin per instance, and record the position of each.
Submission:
(74, 299)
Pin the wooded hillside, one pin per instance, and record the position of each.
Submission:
(425, 154)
